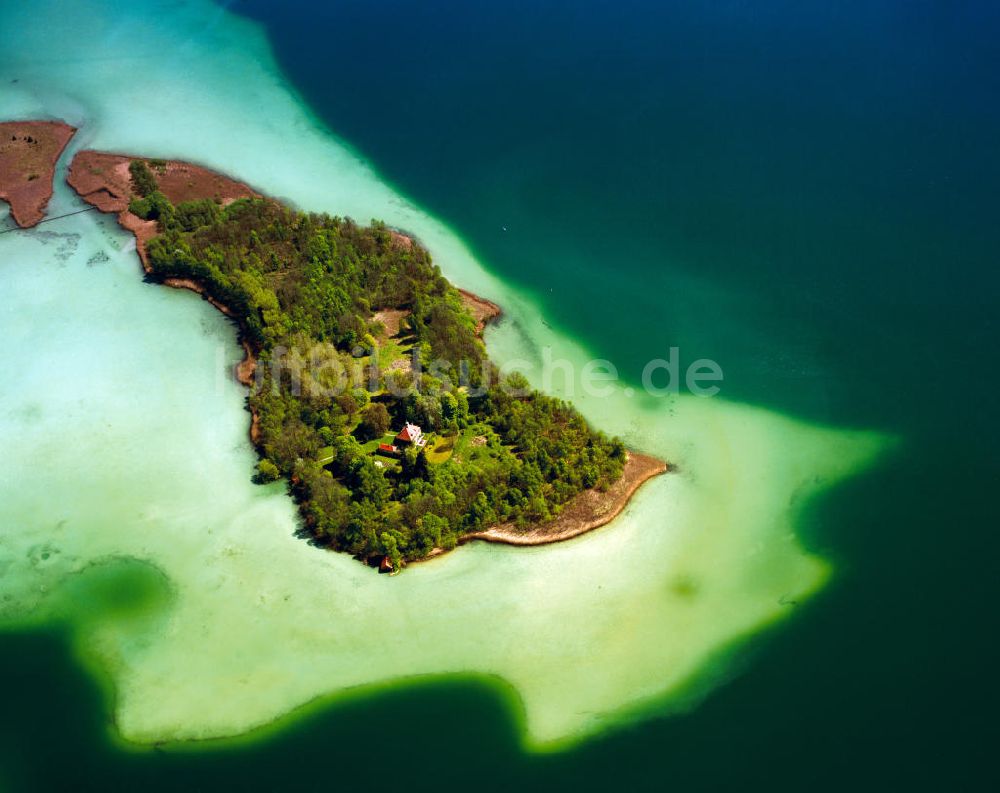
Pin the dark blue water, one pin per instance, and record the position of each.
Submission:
(799, 192)
(806, 192)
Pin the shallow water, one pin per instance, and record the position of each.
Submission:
(128, 443)
(125, 443)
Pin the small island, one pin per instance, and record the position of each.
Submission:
(371, 392)
(29, 151)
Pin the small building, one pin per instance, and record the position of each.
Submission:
(411, 434)
(388, 450)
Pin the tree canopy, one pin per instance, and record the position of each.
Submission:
(304, 289)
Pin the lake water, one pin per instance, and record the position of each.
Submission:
(804, 196)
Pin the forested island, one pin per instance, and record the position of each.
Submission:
(371, 390)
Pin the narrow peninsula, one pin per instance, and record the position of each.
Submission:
(29, 151)
(371, 392)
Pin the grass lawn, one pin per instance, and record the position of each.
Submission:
(388, 463)
(369, 447)
(388, 352)
(391, 351)
(440, 449)
(467, 449)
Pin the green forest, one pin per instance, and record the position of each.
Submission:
(334, 382)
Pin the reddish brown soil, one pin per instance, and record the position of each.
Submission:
(401, 239)
(392, 320)
(103, 181)
(29, 151)
(483, 311)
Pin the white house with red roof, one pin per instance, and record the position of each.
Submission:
(411, 434)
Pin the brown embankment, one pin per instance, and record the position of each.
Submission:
(392, 320)
(103, 180)
(483, 311)
(29, 151)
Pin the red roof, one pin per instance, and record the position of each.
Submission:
(385, 447)
(409, 433)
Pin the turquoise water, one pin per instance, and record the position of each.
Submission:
(134, 541)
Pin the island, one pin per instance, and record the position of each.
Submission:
(29, 151)
(371, 393)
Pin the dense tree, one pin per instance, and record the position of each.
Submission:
(267, 471)
(375, 421)
(143, 181)
(304, 289)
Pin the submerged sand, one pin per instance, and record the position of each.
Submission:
(127, 449)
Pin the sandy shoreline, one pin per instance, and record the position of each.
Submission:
(29, 151)
(587, 511)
